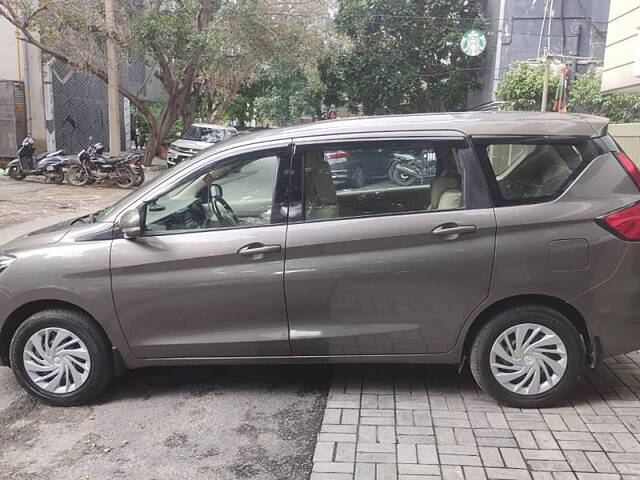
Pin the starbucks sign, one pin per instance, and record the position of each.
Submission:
(473, 42)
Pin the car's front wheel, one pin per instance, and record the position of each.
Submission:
(527, 357)
(61, 356)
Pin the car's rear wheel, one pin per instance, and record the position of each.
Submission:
(527, 357)
(358, 178)
(61, 357)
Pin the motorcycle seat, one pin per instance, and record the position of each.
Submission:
(49, 154)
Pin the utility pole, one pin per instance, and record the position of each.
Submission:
(545, 83)
(112, 80)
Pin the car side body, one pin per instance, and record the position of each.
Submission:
(371, 287)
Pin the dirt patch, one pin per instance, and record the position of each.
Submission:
(29, 199)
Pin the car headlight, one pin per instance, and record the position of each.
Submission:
(6, 260)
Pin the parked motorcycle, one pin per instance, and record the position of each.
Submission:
(93, 167)
(136, 164)
(50, 165)
(407, 169)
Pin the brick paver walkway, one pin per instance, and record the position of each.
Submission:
(424, 422)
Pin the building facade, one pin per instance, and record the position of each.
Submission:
(64, 108)
(621, 72)
(573, 31)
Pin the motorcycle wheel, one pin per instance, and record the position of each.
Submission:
(139, 177)
(126, 176)
(16, 173)
(400, 178)
(77, 176)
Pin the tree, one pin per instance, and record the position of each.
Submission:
(521, 86)
(286, 92)
(405, 56)
(287, 88)
(193, 46)
(586, 96)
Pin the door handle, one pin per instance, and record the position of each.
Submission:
(447, 229)
(258, 249)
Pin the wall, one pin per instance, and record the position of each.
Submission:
(8, 52)
(21, 63)
(628, 137)
(622, 55)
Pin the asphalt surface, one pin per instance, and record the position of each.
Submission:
(168, 423)
(221, 423)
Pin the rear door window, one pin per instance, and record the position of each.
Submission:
(531, 171)
(382, 178)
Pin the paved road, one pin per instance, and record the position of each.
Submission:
(170, 423)
(222, 423)
(411, 423)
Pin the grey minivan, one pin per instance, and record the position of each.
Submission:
(519, 254)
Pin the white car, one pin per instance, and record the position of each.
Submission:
(197, 137)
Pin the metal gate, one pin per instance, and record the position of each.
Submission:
(13, 117)
(80, 109)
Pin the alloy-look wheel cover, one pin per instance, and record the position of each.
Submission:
(528, 359)
(56, 360)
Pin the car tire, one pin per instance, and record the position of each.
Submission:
(556, 347)
(357, 178)
(84, 347)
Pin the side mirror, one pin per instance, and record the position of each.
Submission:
(131, 224)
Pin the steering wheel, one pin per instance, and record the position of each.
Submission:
(223, 211)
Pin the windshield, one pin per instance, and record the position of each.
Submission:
(204, 134)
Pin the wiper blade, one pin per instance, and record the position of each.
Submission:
(79, 219)
(90, 218)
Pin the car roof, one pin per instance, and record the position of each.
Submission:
(469, 123)
(208, 125)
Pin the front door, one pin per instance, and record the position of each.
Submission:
(206, 277)
(395, 266)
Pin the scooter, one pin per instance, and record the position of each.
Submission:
(50, 165)
(407, 169)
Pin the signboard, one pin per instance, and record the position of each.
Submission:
(473, 42)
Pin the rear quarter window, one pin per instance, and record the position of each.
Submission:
(525, 170)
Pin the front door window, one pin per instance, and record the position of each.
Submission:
(237, 193)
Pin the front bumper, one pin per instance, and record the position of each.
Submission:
(7, 306)
(174, 157)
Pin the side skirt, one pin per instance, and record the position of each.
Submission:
(440, 358)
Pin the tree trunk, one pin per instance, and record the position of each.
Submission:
(158, 131)
(222, 107)
(152, 146)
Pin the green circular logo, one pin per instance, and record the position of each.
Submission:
(473, 42)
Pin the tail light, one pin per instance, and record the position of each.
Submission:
(629, 167)
(624, 223)
(340, 154)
